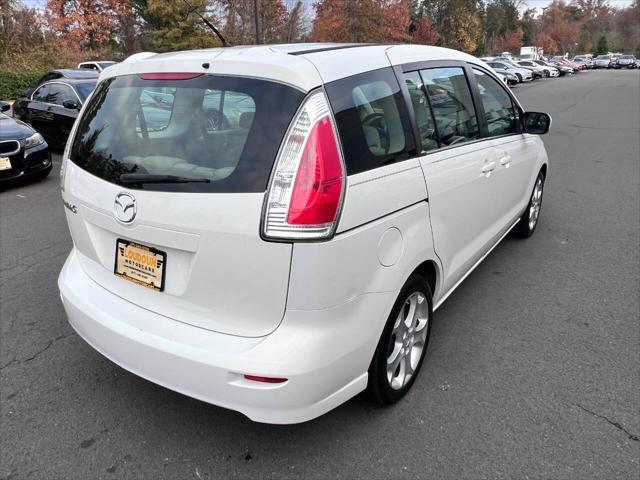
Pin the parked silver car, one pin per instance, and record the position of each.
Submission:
(523, 74)
(586, 59)
(602, 61)
(563, 69)
(626, 61)
(545, 70)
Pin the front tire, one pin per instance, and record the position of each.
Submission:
(403, 344)
(529, 219)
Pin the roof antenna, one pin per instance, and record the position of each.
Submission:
(208, 24)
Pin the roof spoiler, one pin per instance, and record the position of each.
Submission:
(139, 56)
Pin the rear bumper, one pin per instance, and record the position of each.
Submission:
(324, 354)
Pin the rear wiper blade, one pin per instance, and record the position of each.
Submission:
(151, 178)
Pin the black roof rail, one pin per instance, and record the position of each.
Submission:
(334, 47)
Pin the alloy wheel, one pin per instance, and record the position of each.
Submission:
(536, 203)
(408, 339)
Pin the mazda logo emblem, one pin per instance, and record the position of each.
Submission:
(124, 207)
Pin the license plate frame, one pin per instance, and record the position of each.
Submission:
(137, 267)
(5, 164)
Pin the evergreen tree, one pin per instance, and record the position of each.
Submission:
(603, 45)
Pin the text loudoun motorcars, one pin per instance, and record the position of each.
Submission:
(269, 229)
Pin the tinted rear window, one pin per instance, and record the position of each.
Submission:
(372, 120)
(226, 130)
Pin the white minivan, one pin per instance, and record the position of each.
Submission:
(269, 229)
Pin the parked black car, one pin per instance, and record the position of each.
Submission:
(23, 151)
(53, 107)
(75, 74)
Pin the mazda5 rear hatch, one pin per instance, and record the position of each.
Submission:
(167, 177)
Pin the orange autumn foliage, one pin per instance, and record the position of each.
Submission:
(362, 21)
(424, 31)
(86, 23)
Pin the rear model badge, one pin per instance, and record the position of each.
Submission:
(124, 207)
(70, 206)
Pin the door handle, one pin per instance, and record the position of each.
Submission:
(506, 161)
(488, 167)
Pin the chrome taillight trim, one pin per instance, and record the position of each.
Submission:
(274, 224)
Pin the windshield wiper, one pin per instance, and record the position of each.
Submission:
(152, 178)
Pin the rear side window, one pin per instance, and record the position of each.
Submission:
(452, 104)
(40, 94)
(58, 93)
(216, 133)
(372, 120)
(499, 111)
(422, 111)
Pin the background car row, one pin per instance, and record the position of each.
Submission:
(523, 70)
(42, 117)
(526, 70)
(616, 61)
(610, 60)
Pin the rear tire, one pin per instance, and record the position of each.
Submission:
(529, 219)
(403, 344)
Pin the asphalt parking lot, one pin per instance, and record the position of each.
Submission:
(533, 370)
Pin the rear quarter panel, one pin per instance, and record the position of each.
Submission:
(328, 274)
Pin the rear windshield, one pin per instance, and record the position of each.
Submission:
(211, 133)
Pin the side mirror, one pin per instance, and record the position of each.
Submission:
(71, 105)
(4, 107)
(537, 123)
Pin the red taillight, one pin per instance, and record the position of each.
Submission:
(169, 76)
(318, 186)
(306, 188)
(258, 378)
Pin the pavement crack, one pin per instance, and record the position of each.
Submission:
(35, 355)
(631, 436)
(16, 271)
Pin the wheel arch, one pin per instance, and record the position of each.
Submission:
(543, 170)
(430, 271)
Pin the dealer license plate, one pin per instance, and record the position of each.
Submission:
(140, 264)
